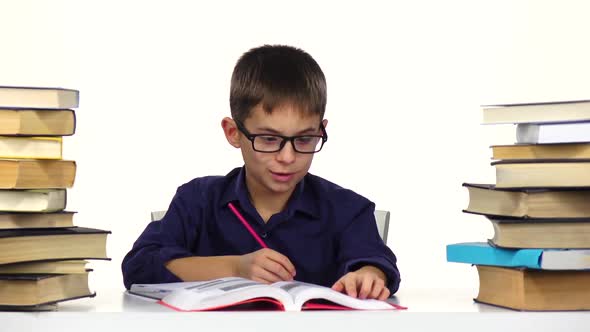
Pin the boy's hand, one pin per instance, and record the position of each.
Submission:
(265, 265)
(368, 282)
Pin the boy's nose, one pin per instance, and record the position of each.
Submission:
(286, 154)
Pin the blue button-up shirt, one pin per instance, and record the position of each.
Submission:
(325, 231)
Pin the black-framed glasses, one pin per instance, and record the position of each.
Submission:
(269, 143)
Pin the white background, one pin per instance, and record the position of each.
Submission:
(405, 81)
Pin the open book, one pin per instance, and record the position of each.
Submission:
(236, 293)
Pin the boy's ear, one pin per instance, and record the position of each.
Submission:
(325, 122)
(232, 134)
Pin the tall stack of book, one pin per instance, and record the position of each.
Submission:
(539, 207)
(42, 253)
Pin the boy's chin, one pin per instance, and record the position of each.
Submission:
(281, 188)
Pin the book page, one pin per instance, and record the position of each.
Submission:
(303, 292)
(201, 289)
(158, 291)
(213, 294)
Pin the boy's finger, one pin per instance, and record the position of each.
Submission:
(278, 270)
(366, 285)
(281, 259)
(378, 286)
(350, 286)
(338, 286)
(384, 294)
(261, 274)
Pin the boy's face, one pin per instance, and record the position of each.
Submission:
(276, 172)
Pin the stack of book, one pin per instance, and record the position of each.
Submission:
(42, 253)
(539, 208)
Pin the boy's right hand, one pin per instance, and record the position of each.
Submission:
(265, 265)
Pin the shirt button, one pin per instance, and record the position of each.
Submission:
(264, 235)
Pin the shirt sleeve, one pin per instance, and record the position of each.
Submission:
(360, 245)
(162, 241)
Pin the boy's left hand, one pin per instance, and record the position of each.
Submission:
(368, 282)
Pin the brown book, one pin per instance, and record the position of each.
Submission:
(28, 245)
(36, 220)
(541, 233)
(41, 200)
(38, 97)
(45, 267)
(537, 290)
(33, 290)
(31, 173)
(542, 173)
(541, 151)
(488, 200)
(37, 122)
(557, 111)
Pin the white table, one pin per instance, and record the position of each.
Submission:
(436, 310)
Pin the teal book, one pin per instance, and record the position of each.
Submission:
(481, 253)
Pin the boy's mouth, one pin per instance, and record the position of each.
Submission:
(282, 177)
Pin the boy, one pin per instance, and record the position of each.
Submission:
(316, 231)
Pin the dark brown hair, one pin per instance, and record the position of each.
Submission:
(275, 75)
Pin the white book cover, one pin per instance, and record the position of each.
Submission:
(41, 200)
(566, 259)
(227, 292)
(547, 133)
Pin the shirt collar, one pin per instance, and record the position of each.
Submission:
(302, 200)
(235, 190)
